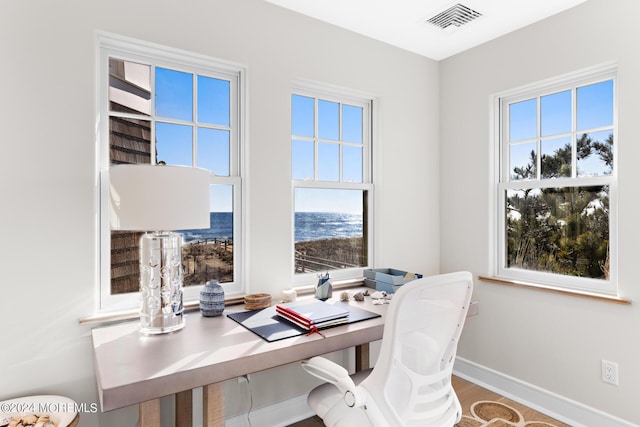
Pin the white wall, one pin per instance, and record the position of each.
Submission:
(48, 178)
(551, 341)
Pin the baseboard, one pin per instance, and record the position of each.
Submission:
(281, 414)
(565, 410)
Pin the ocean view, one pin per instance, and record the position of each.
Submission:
(308, 226)
(221, 228)
(326, 225)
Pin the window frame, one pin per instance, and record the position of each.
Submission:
(501, 182)
(342, 96)
(128, 49)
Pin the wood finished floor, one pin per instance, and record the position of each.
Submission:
(468, 393)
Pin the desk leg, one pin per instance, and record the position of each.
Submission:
(184, 409)
(150, 413)
(362, 357)
(213, 405)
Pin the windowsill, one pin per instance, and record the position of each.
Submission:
(134, 313)
(562, 291)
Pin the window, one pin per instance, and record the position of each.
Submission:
(165, 106)
(332, 189)
(556, 190)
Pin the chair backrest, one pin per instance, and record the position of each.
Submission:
(411, 381)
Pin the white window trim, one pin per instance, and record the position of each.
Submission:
(107, 45)
(499, 182)
(369, 103)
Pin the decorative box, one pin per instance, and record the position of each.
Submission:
(387, 279)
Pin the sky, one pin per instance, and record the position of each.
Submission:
(324, 200)
(327, 137)
(326, 145)
(174, 141)
(594, 111)
(332, 129)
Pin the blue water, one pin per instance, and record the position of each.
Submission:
(326, 225)
(308, 226)
(221, 228)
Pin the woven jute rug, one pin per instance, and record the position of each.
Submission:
(487, 413)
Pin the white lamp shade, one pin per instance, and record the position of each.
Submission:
(159, 198)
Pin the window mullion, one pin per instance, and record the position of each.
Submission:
(340, 143)
(316, 139)
(539, 137)
(574, 133)
(235, 123)
(152, 109)
(505, 143)
(194, 118)
(367, 156)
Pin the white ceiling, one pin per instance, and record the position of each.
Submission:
(402, 22)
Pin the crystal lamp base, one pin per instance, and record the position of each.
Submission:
(162, 309)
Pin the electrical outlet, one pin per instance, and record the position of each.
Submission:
(610, 372)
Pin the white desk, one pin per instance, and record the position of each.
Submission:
(135, 369)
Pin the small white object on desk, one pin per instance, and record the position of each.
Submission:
(289, 295)
(380, 297)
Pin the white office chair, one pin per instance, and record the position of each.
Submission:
(411, 382)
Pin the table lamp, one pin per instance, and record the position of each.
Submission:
(157, 199)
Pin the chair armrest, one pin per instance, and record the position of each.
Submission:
(335, 374)
(325, 369)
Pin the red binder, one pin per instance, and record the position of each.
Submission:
(313, 314)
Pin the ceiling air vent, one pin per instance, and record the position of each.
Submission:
(455, 16)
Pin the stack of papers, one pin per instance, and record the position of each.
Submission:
(313, 314)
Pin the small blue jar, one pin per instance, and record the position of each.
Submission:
(212, 299)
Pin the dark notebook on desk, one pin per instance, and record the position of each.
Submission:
(270, 326)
